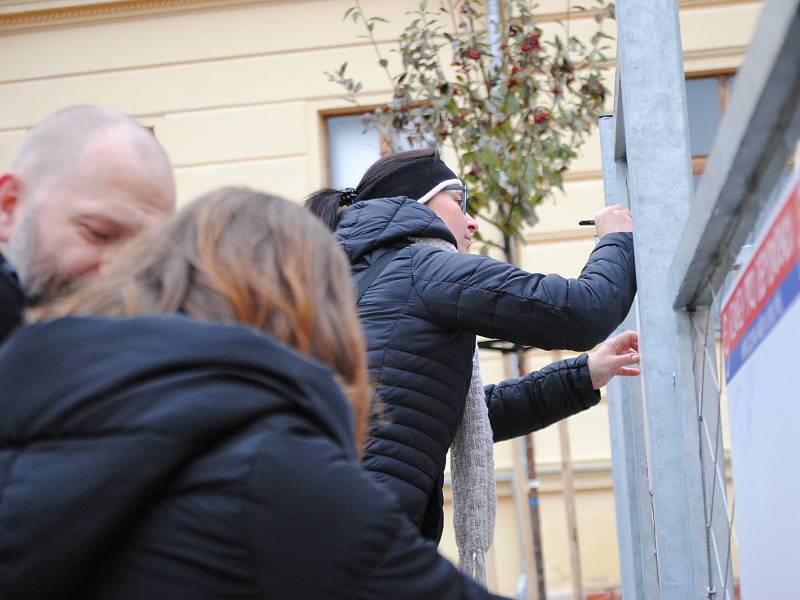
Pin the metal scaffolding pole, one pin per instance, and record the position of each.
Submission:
(684, 250)
(635, 533)
(654, 126)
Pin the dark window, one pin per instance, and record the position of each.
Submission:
(706, 101)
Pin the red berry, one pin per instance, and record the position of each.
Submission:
(513, 82)
(515, 69)
(473, 54)
(556, 90)
(541, 115)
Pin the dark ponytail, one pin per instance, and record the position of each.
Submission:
(324, 204)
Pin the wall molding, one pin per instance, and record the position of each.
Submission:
(737, 52)
(560, 235)
(25, 17)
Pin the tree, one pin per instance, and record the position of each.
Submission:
(514, 104)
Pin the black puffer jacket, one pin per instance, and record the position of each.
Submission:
(159, 457)
(12, 300)
(421, 317)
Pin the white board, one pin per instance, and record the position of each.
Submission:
(761, 340)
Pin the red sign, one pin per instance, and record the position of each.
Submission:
(774, 259)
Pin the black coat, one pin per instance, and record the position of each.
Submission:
(12, 300)
(160, 457)
(421, 317)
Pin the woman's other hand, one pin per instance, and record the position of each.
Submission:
(614, 357)
(613, 219)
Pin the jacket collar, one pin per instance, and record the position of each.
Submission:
(12, 300)
(7, 269)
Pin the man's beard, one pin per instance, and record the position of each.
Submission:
(36, 273)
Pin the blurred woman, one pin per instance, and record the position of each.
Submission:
(423, 299)
(193, 433)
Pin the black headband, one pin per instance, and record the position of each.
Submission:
(419, 179)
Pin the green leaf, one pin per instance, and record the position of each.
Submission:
(384, 63)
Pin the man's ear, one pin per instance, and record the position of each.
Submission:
(10, 204)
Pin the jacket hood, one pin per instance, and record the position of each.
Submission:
(106, 411)
(372, 224)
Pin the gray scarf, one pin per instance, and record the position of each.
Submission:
(472, 471)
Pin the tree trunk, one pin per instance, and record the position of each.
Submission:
(535, 571)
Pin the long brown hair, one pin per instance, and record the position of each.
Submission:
(240, 256)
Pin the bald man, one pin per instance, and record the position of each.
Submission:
(86, 180)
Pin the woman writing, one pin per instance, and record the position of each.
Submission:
(406, 231)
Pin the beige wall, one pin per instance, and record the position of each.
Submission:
(234, 90)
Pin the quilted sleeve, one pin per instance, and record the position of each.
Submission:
(487, 297)
(520, 406)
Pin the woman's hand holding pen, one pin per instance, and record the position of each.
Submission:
(612, 219)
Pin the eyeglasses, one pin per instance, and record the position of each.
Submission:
(464, 195)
